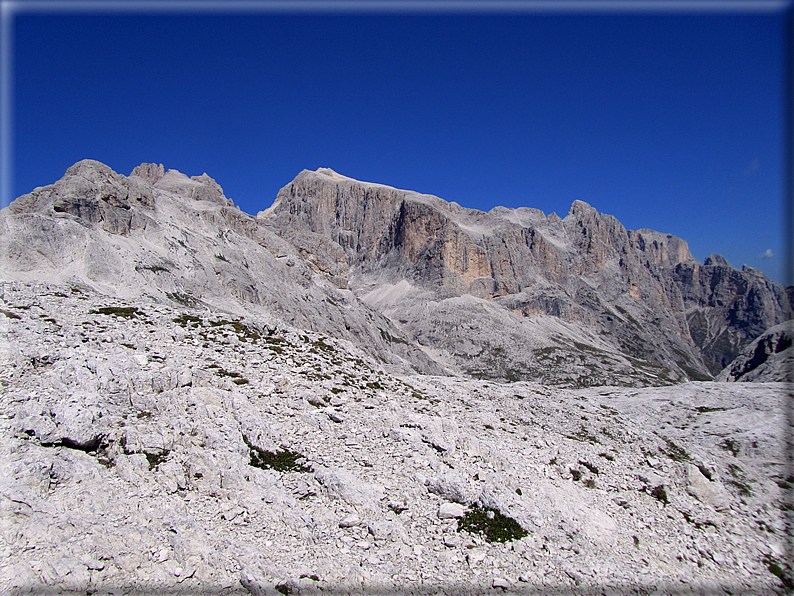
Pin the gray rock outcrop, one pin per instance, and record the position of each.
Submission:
(770, 357)
(425, 284)
(515, 294)
(163, 233)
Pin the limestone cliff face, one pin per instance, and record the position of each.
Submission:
(727, 309)
(420, 282)
(163, 234)
(636, 300)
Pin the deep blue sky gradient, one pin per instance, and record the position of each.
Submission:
(666, 121)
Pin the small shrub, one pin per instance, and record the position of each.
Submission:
(155, 459)
(775, 569)
(183, 299)
(152, 268)
(124, 312)
(492, 525)
(186, 320)
(281, 461)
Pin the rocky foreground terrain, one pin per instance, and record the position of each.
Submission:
(146, 448)
(367, 390)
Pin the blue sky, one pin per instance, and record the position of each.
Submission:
(669, 120)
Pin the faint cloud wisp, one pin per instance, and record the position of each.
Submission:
(753, 167)
(768, 254)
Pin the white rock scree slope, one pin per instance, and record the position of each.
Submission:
(195, 400)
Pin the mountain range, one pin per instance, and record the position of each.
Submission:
(425, 284)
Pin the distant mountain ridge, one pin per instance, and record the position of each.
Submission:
(516, 294)
(419, 282)
(180, 239)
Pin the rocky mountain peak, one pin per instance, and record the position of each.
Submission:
(149, 172)
(410, 254)
(510, 294)
(582, 209)
(715, 261)
(90, 169)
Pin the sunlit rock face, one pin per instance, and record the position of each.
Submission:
(161, 233)
(515, 294)
(424, 283)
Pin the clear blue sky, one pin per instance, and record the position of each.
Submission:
(667, 120)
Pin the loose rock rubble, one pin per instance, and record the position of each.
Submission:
(150, 449)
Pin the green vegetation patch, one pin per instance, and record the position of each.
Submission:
(281, 461)
(323, 347)
(124, 312)
(492, 525)
(236, 377)
(775, 569)
(187, 320)
(183, 299)
(152, 268)
(155, 459)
